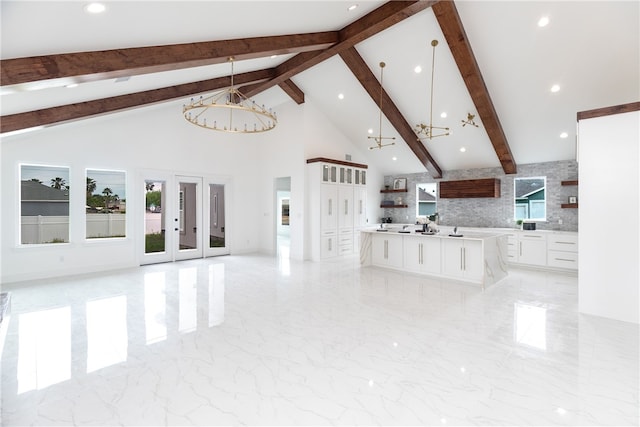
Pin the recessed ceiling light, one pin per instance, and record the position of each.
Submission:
(71, 85)
(462, 149)
(443, 114)
(95, 8)
(543, 22)
(418, 69)
(394, 158)
(340, 96)
(352, 7)
(555, 88)
(370, 131)
(564, 135)
(274, 56)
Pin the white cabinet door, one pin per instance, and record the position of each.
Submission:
(413, 253)
(431, 255)
(329, 173)
(422, 254)
(360, 207)
(329, 246)
(463, 258)
(532, 249)
(387, 250)
(345, 206)
(473, 260)
(328, 207)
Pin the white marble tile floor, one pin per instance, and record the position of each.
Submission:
(257, 340)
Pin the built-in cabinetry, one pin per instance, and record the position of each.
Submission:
(543, 249)
(422, 255)
(386, 250)
(463, 259)
(562, 251)
(337, 207)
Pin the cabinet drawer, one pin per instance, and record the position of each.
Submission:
(562, 259)
(532, 236)
(566, 243)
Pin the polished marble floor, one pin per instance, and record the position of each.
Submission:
(246, 340)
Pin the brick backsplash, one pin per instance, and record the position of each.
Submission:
(494, 212)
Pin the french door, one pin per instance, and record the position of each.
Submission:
(184, 217)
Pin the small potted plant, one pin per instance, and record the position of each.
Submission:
(519, 223)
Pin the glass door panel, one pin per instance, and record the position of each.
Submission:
(188, 220)
(157, 210)
(216, 216)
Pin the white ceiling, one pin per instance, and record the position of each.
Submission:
(590, 48)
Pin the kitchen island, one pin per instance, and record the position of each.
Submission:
(475, 257)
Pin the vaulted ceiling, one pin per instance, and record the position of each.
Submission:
(493, 61)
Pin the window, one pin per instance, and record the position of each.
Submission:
(44, 204)
(530, 198)
(426, 199)
(106, 204)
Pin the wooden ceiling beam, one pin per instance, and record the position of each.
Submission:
(369, 25)
(294, 92)
(370, 83)
(456, 37)
(65, 113)
(100, 65)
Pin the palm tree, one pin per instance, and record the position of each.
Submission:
(149, 185)
(58, 183)
(91, 187)
(36, 180)
(107, 196)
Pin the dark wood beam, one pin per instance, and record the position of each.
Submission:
(607, 111)
(456, 37)
(294, 92)
(106, 64)
(64, 113)
(369, 25)
(370, 83)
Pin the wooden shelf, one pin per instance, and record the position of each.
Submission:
(569, 205)
(394, 206)
(394, 191)
(571, 182)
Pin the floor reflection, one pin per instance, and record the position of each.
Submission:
(107, 337)
(44, 355)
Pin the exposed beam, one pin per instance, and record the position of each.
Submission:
(293, 91)
(607, 111)
(370, 83)
(369, 25)
(456, 37)
(99, 65)
(86, 109)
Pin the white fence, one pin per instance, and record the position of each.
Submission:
(55, 229)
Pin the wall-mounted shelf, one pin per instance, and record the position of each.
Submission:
(569, 205)
(394, 206)
(394, 191)
(570, 182)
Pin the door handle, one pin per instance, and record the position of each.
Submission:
(195, 229)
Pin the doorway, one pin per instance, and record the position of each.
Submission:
(283, 219)
(184, 218)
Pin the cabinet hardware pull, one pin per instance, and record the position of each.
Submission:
(563, 259)
(464, 258)
(346, 207)
(330, 206)
(520, 243)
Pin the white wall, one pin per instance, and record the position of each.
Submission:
(158, 138)
(609, 187)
